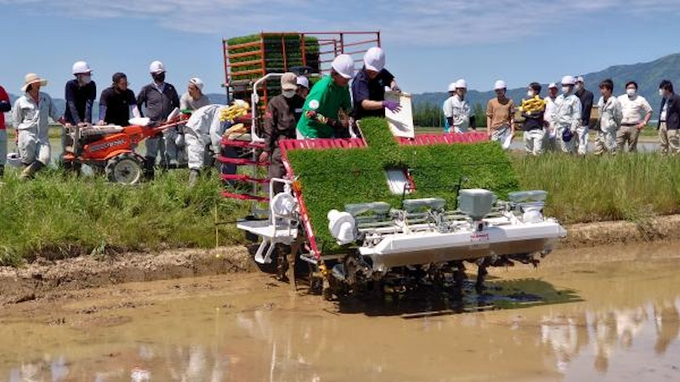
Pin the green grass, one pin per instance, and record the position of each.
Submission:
(331, 179)
(631, 187)
(59, 216)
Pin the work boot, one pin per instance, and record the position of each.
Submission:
(30, 171)
(149, 168)
(193, 177)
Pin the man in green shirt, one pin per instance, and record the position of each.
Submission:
(329, 96)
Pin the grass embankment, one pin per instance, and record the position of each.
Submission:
(58, 215)
(633, 187)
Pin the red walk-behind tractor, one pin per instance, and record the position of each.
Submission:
(110, 149)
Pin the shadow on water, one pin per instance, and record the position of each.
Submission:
(427, 302)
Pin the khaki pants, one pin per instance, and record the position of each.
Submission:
(627, 134)
(605, 141)
(670, 140)
(534, 141)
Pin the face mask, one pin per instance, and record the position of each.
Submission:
(661, 94)
(288, 93)
(565, 89)
(530, 94)
(630, 92)
(159, 77)
(579, 86)
(85, 79)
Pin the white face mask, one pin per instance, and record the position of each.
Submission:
(530, 94)
(288, 93)
(630, 92)
(579, 86)
(661, 93)
(566, 89)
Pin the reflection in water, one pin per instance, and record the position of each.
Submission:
(610, 331)
(279, 346)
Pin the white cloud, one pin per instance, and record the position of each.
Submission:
(411, 22)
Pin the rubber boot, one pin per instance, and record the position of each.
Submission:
(149, 168)
(2, 171)
(30, 171)
(193, 177)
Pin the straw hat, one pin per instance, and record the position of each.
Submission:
(32, 78)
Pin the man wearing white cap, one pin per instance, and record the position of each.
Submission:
(194, 98)
(158, 100)
(190, 101)
(551, 130)
(283, 113)
(328, 102)
(566, 116)
(30, 115)
(447, 108)
(5, 107)
(460, 109)
(302, 86)
(586, 97)
(79, 94)
(368, 87)
(500, 116)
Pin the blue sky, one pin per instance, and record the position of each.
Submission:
(428, 43)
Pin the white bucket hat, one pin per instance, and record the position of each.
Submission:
(32, 78)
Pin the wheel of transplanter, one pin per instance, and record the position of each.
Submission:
(125, 168)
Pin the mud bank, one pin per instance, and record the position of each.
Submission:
(35, 280)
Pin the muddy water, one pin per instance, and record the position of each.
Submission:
(602, 315)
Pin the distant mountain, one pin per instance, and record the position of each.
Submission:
(648, 75)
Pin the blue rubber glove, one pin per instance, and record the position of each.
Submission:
(392, 106)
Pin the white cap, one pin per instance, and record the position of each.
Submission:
(552, 85)
(568, 80)
(500, 84)
(197, 82)
(452, 86)
(156, 67)
(580, 79)
(461, 84)
(344, 65)
(303, 81)
(374, 59)
(81, 67)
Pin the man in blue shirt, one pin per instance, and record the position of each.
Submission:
(368, 88)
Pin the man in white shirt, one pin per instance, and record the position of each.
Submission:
(30, 115)
(566, 116)
(459, 109)
(636, 114)
(447, 109)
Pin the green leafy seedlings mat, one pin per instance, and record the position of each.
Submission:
(331, 179)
